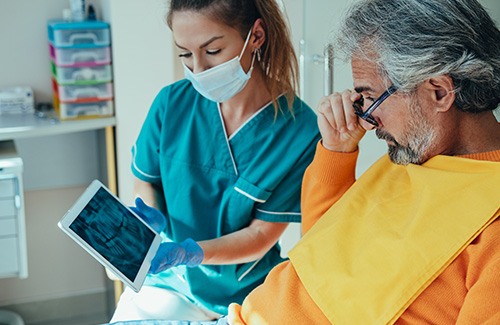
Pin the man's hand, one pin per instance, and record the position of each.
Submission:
(339, 126)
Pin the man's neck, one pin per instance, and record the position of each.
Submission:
(475, 134)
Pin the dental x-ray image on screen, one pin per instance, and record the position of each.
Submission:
(111, 229)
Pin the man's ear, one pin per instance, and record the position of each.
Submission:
(258, 34)
(442, 92)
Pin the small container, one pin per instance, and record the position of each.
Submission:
(16, 100)
(77, 9)
(66, 14)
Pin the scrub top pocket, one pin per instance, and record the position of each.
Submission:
(243, 198)
(251, 191)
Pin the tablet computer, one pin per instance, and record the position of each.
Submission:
(112, 233)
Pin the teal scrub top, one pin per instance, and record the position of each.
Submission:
(214, 185)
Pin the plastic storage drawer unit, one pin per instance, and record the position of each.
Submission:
(82, 77)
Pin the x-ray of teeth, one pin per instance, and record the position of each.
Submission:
(114, 232)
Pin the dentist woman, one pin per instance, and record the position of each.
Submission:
(221, 154)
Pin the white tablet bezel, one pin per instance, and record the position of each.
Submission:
(75, 211)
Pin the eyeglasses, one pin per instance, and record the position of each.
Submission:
(367, 115)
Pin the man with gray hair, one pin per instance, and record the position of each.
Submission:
(416, 239)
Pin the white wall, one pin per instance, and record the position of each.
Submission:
(142, 64)
(24, 58)
(493, 7)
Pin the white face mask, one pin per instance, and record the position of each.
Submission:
(223, 81)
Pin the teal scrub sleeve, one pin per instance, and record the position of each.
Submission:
(145, 152)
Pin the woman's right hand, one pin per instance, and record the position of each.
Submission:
(172, 254)
(153, 217)
(339, 126)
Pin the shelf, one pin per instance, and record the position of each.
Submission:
(16, 126)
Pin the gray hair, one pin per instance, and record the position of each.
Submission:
(414, 40)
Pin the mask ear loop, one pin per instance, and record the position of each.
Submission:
(253, 61)
(246, 43)
(254, 52)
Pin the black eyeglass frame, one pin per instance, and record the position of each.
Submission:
(367, 115)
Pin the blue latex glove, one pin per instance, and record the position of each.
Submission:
(172, 254)
(153, 217)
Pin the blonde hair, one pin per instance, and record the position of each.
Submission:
(278, 59)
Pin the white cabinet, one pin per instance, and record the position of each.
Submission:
(13, 254)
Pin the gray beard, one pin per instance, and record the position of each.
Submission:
(419, 136)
